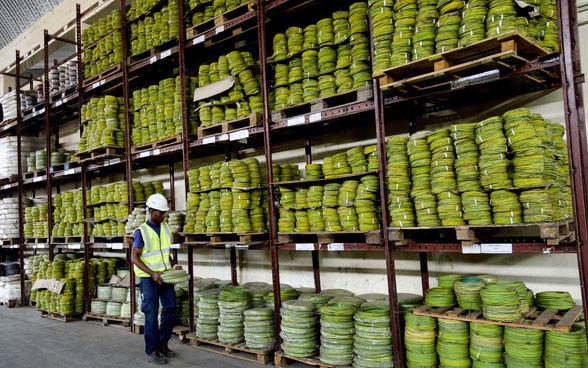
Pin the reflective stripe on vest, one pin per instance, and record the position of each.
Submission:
(156, 249)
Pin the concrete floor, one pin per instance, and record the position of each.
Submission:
(28, 340)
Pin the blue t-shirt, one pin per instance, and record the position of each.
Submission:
(138, 239)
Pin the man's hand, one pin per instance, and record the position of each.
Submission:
(178, 267)
(157, 277)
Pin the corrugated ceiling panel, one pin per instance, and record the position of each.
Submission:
(17, 16)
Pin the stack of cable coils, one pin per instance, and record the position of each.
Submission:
(473, 22)
(259, 329)
(419, 157)
(523, 347)
(336, 333)
(442, 161)
(453, 343)
(467, 155)
(500, 303)
(506, 208)
(372, 341)
(449, 209)
(280, 47)
(299, 328)
(566, 349)
(366, 203)
(208, 314)
(419, 340)
(232, 303)
(295, 39)
(382, 20)
(399, 184)
(501, 17)
(486, 347)
(493, 160)
(476, 208)
(423, 39)
(405, 12)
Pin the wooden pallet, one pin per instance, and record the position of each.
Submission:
(146, 54)
(108, 320)
(548, 319)
(212, 238)
(552, 233)
(106, 73)
(62, 94)
(9, 303)
(10, 241)
(60, 317)
(232, 125)
(100, 153)
(219, 20)
(340, 99)
(283, 360)
(63, 167)
(182, 333)
(503, 52)
(105, 239)
(157, 144)
(35, 174)
(65, 239)
(9, 180)
(326, 237)
(36, 240)
(240, 350)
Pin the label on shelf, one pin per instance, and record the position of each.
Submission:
(240, 134)
(304, 246)
(299, 120)
(317, 116)
(152, 59)
(144, 154)
(223, 137)
(471, 249)
(58, 103)
(175, 246)
(114, 161)
(41, 246)
(335, 246)
(156, 152)
(165, 54)
(74, 246)
(498, 248)
(15, 246)
(117, 246)
(208, 140)
(38, 178)
(198, 40)
(220, 29)
(242, 246)
(95, 85)
(69, 172)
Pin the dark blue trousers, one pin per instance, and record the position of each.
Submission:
(157, 334)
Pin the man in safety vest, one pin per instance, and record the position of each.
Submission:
(150, 257)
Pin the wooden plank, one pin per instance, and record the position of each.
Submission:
(569, 318)
(238, 350)
(544, 317)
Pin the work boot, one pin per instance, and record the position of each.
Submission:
(156, 358)
(167, 352)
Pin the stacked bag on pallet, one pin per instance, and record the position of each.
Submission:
(322, 59)
(508, 169)
(9, 154)
(102, 44)
(104, 123)
(68, 214)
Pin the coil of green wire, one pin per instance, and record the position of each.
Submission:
(500, 303)
(566, 349)
(486, 348)
(560, 300)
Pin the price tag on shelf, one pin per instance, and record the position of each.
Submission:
(74, 246)
(304, 246)
(165, 54)
(223, 137)
(58, 103)
(114, 161)
(471, 249)
(198, 40)
(95, 85)
(208, 140)
(41, 246)
(103, 82)
(175, 246)
(299, 120)
(156, 152)
(335, 247)
(220, 29)
(317, 116)
(15, 246)
(37, 179)
(498, 248)
(152, 59)
(117, 246)
(240, 134)
(144, 154)
(69, 172)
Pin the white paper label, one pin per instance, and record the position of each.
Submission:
(229, 246)
(74, 246)
(144, 154)
(497, 248)
(220, 29)
(175, 246)
(223, 137)
(58, 103)
(471, 249)
(296, 121)
(156, 152)
(165, 54)
(117, 246)
(38, 178)
(335, 246)
(69, 172)
(96, 85)
(208, 140)
(241, 246)
(153, 59)
(103, 82)
(240, 134)
(304, 246)
(198, 40)
(317, 116)
(15, 246)
(41, 246)
(114, 161)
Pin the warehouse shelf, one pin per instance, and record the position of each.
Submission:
(330, 247)
(490, 248)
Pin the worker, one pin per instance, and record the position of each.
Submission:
(150, 257)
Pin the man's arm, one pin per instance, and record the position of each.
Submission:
(136, 260)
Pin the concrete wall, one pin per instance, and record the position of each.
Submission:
(364, 271)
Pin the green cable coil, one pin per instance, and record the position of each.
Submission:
(566, 349)
(501, 17)
(448, 281)
(506, 208)
(476, 208)
(500, 303)
(486, 348)
(295, 39)
(336, 338)
(473, 24)
(420, 340)
(536, 205)
(439, 297)
(372, 339)
(453, 343)
(425, 205)
(447, 37)
(560, 300)
(299, 328)
(449, 209)
(310, 37)
(467, 292)
(523, 347)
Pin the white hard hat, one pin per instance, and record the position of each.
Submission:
(157, 202)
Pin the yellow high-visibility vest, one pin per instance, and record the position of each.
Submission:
(156, 249)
